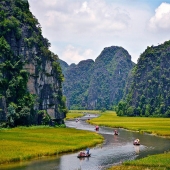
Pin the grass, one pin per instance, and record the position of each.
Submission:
(19, 144)
(154, 162)
(85, 111)
(156, 126)
(72, 114)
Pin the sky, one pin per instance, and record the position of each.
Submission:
(80, 29)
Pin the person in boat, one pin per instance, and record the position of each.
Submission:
(82, 153)
(97, 128)
(115, 132)
(87, 151)
(136, 142)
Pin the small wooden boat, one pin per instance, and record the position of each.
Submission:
(84, 155)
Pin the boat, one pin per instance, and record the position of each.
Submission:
(83, 155)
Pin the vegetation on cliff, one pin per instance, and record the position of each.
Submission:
(76, 84)
(24, 53)
(100, 84)
(148, 91)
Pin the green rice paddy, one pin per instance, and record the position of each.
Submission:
(19, 144)
(73, 115)
(154, 162)
(156, 126)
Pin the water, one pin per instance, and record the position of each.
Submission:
(114, 150)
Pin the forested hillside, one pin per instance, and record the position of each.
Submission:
(30, 74)
(148, 91)
(76, 84)
(99, 84)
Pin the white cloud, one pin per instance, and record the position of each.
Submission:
(161, 19)
(74, 55)
(77, 26)
(50, 3)
(82, 17)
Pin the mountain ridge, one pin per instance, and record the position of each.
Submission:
(112, 61)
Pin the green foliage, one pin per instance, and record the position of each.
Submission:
(99, 84)
(130, 111)
(103, 110)
(20, 33)
(4, 47)
(148, 94)
(121, 108)
(57, 68)
(10, 24)
(24, 116)
(11, 116)
(44, 117)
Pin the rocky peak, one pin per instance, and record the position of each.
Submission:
(28, 52)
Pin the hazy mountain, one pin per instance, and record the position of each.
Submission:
(99, 84)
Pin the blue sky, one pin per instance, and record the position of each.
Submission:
(81, 29)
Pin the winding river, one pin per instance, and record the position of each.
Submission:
(113, 151)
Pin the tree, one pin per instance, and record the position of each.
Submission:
(121, 108)
(130, 111)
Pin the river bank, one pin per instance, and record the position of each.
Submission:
(154, 126)
(113, 142)
(25, 143)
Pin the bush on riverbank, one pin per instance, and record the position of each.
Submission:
(19, 144)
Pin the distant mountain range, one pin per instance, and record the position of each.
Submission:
(141, 89)
(97, 84)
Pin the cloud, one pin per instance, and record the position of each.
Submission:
(81, 29)
(161, 19)
(81, 17)
(50, 3)
(72, 54)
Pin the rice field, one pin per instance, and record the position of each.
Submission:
(154, 162)
(20, 144)
(73, 115)
(156, 126)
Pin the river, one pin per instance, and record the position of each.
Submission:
(114, 150)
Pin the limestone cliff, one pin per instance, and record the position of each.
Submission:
(23, 48)
(147, 91)
(97, 84)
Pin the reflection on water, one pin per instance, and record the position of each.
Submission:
(115, 150)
